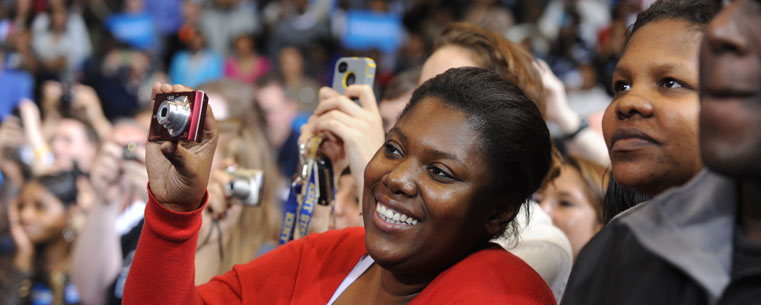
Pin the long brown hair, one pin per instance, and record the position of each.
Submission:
(494, 52)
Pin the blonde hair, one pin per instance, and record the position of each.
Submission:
(256, 225)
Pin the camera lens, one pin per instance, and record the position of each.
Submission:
(342, 67)
(350, 79)
(174, 115)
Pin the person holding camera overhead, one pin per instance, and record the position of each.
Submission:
(442, 167)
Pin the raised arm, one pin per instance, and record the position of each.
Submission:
(163, 267)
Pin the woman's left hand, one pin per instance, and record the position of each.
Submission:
(24, 246)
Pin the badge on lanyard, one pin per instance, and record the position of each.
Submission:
(312, 185)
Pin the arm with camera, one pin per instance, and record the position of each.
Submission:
(99, 232)
(162, 271)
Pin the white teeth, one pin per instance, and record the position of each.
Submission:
(391, 216)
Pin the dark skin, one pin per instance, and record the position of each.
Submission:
(178, 173)
(431, 170)
(730, 71)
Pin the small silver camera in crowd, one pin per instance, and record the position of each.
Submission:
(178, 116)
(246, 185)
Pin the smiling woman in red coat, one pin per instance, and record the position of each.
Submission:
(464, 156)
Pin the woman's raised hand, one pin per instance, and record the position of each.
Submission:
(178, 172)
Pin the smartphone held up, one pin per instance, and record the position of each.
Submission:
(353, 70)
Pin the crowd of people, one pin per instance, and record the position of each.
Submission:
(520, 152)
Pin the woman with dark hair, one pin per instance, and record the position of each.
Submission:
(651, 124)
(41, 226)
(642, 255)
(465, 155)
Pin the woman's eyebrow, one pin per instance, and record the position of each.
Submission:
(395, 131)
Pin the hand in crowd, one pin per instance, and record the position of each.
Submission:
(24, 246)
(353, 133)
(114, 179)
(179, 171)
(558, 110)
(86, 101)
(11, 133)
(221, 208)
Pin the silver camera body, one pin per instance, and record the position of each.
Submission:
(246, 185)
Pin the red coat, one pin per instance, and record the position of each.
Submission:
(305, 271)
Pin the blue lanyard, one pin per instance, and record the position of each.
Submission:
(299, 210)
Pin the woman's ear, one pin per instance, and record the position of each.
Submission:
(503, 212)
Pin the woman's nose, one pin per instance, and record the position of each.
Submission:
(723, 35)
(632, 106)
(401, 179)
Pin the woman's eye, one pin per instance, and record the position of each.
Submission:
(565, 203)
(391, 150)
(670, 83)
(440, 174)
(621, 86)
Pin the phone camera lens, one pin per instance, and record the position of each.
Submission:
(342, 67)
(350, 79)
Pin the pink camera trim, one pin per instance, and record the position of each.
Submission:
(194, 128)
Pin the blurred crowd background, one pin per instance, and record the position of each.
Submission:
(75, 84)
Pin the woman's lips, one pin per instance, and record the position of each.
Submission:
(630, 139)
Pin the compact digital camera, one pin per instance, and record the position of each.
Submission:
(246, 185)
(178, 116)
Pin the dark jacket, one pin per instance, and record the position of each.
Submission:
(678, 248)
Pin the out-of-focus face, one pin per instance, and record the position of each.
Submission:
(650, 127)
(567, 202)
(278, 112)
(390, 110)
(445, 58)
(244, 45)
(70, 144)
(346, 209)
(41, 214)
(291, 62)
(730, 75)
(425, 204)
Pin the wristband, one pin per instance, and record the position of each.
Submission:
(583, 124)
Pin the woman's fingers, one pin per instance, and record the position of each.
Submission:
(366, 96)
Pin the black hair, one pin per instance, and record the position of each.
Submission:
(695, 12)
(63, 185)
(515, 141)
(619, 198)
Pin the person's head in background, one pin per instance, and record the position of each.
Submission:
(73, 142)
(573, 200)
(346, 211)
(243, 145)
(279, 109)
(466, 45)
(396, 96)
(291, 63)
(244, 45)
(45, 206)
(730, 74)
(650, 127)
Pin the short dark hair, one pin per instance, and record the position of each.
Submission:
(695, 12)
(515, 141)
(63, 185)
